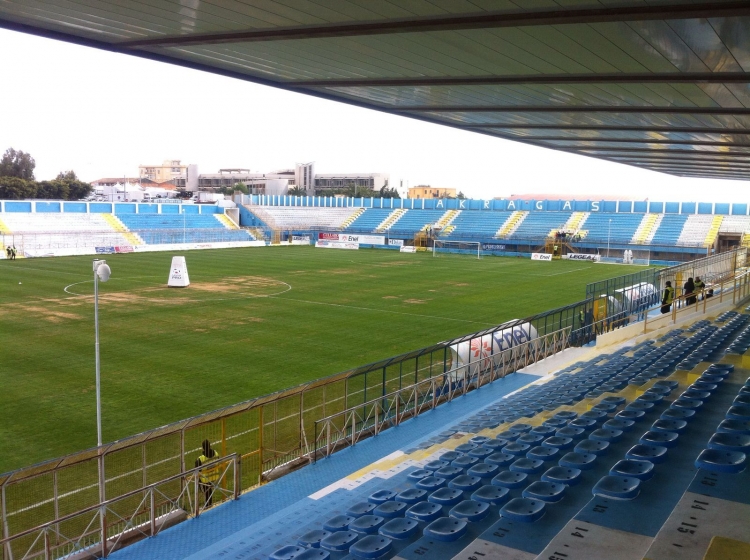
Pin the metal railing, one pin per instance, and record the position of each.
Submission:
(737, 287)
(99, 529)
(349, 426)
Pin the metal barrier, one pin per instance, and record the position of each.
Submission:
(99, 529)
(40, 241)
(738, 287)
(347, 427)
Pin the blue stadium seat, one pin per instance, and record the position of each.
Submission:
(339, 541)
(484, 471)
(391, 509)
(287, 553)
(511, 480)
(722, 461)
(360, 508)
(524, 510)
(312, 539)
(618, 487)
(654, 453)
(466, 483)
(313, 554)
(666, 439)
(431, 483)
(400, 529)
(576, 460)
(448, 473)
(446, 529)
(562, 475)
(338, 523)
(527, 465)
(371, 547)
(367, 524)
(642, 470)
(606, 434)
(591, 446)
(446, 496)
(470, 510)
(493, 495)
(730, 441)
(424, 512)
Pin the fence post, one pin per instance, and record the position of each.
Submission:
(237, 476)
(152, 507)
(197, 509)
(47, 550)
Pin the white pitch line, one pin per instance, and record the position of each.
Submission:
(566, 272)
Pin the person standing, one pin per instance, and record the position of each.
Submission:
(700, 287)
(667, 298)
(13, 253)
(688, 291)
(209, 476)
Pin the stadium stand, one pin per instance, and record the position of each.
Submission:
(477, 224)
(369, 220)
(537, 225)
(669, 230)
(415, 220)
(45, 231)
(636, 453)
(695, 230)
(174, 228)
(623, 227)
(290, 218)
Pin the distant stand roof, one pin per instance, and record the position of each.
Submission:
(662, 87)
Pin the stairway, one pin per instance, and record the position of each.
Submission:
(713, 231)
(647, 228)
(572, 225)
(117, 225)
(512, 223)
(444, 223)
(391, 219)
(225, 221)
(746, 239)
(356, 214)
(4, 230)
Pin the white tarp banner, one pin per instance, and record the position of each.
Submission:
(541, 257)
(396, 242)
(336, 245)
(407, 249)
(178, 274)
(581, 257)
(300, 240)
(347, 238)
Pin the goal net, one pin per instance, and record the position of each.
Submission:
(638, 257)
(443, 247)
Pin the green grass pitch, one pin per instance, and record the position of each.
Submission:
(252, 322)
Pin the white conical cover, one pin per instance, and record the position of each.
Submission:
(178, 273)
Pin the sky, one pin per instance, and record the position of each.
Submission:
(103, 114)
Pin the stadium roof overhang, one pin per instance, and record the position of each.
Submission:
(664, 87)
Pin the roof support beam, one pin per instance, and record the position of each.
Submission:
(660, 151)
(483, 20)
(611, 128)
(630, 141)
(615, 109)
(531, 79)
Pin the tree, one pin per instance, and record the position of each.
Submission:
(385, 192)
(461, 196)
(52, 189)
(297, 191)
(17, 164)
(13, 188)
(78, 189)
(67, 176)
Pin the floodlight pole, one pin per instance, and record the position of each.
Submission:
(97, 264)
(96, 349)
